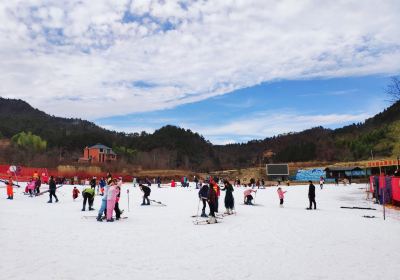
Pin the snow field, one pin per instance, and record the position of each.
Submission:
(54, 241)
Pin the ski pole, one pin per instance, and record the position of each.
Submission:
(198, 207)
(127, 191)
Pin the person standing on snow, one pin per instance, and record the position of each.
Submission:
(203, 196)
(10, 189)
(159, 182)
(311, 196)
(118, 211)
(103, 206)
(38, 183)
(111, 199)
(229, 200)
(217, 190)
(93, 182)
(281, 195)
(52, 190)
(212, 201)
(146, 193)
(321, 182)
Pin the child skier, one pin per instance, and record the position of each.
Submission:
(203, 196)
(212, 201)
(118, 212)
(31, 187)
(10, 191)
(146, 193)
(111, 198)
(321, 182)
(281, 195)
(248, 197)
(75, 193)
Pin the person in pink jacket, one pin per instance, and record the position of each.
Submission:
(31, 187)
(281, 195)
(111, 199)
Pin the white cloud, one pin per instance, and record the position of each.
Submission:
(81, 59)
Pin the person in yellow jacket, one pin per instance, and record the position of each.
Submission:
(10, 191)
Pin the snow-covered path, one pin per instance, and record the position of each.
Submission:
(53, 241)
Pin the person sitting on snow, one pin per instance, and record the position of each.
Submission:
(146, 193)
(248, 197)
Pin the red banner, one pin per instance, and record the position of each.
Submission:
(396, 189)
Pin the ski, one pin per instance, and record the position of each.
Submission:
(203, 222)
(358, 208)
(158, 202)
(104, 218)
(46, 191)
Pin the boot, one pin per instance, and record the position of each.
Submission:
(110, 220)
(49, 201)
(83, 209)
(212, 220)
(99, 219)
(203, 214)
(91, 209)
(56, 199)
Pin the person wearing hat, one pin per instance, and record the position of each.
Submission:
(146, 193)
(311, 196)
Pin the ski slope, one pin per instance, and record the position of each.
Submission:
(54, 241)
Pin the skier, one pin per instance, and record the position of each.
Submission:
(248, 197)
(88, 196)
(134, 182)
(146, 193)
(281, 195)
(321, 182)
(52, 190)
(103, 206)
(196, 181)
(159, 181)
(311, 195)
(217, 190)
(38, 183)
(111, 199)
(203, 196)
(173, 184)
(118, 212)
(212, 201)
(10, 190)
(263, 183)
(31, 187)
(102, 184)
(229, 200)
(75, 193)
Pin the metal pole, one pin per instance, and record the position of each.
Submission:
(127, 191)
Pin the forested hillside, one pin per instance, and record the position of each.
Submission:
(50, 141)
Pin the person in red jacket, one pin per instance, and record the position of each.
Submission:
(10, 191)
(212, 201)
(75, 193)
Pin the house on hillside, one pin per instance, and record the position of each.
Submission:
(98, 154)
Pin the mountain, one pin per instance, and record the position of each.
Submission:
(173, 147)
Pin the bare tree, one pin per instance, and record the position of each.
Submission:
(393, 89)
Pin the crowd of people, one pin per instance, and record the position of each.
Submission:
(110, 190)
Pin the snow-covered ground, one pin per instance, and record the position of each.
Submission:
(53, 241)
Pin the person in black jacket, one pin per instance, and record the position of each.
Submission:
(212, 203)
(146, 193)
(93, 183)
(52, 189)
(203, 195)
(311, 195)
(229, 200)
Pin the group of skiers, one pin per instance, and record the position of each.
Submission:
(33, 186)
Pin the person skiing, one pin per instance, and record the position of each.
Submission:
(103, 206)
(248, 197)
(229, 200)
(38, 183)
(196, 181)
(311, 196)
(111, 199)
(118, 212)
(10, 189)
(31, 187)
(217, 190)
(52, 190)
(321, 182)
(203, 196)
(88, 196)
(159, 182)
(75, 193)
(281, 195)
(146, 193)
(212, 201)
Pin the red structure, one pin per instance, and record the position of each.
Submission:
(98, 154)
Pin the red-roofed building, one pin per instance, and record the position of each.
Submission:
(98, 154)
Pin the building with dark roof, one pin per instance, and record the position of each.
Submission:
(98, 153)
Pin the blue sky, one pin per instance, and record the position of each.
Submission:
(231, 70)
(301, 103)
